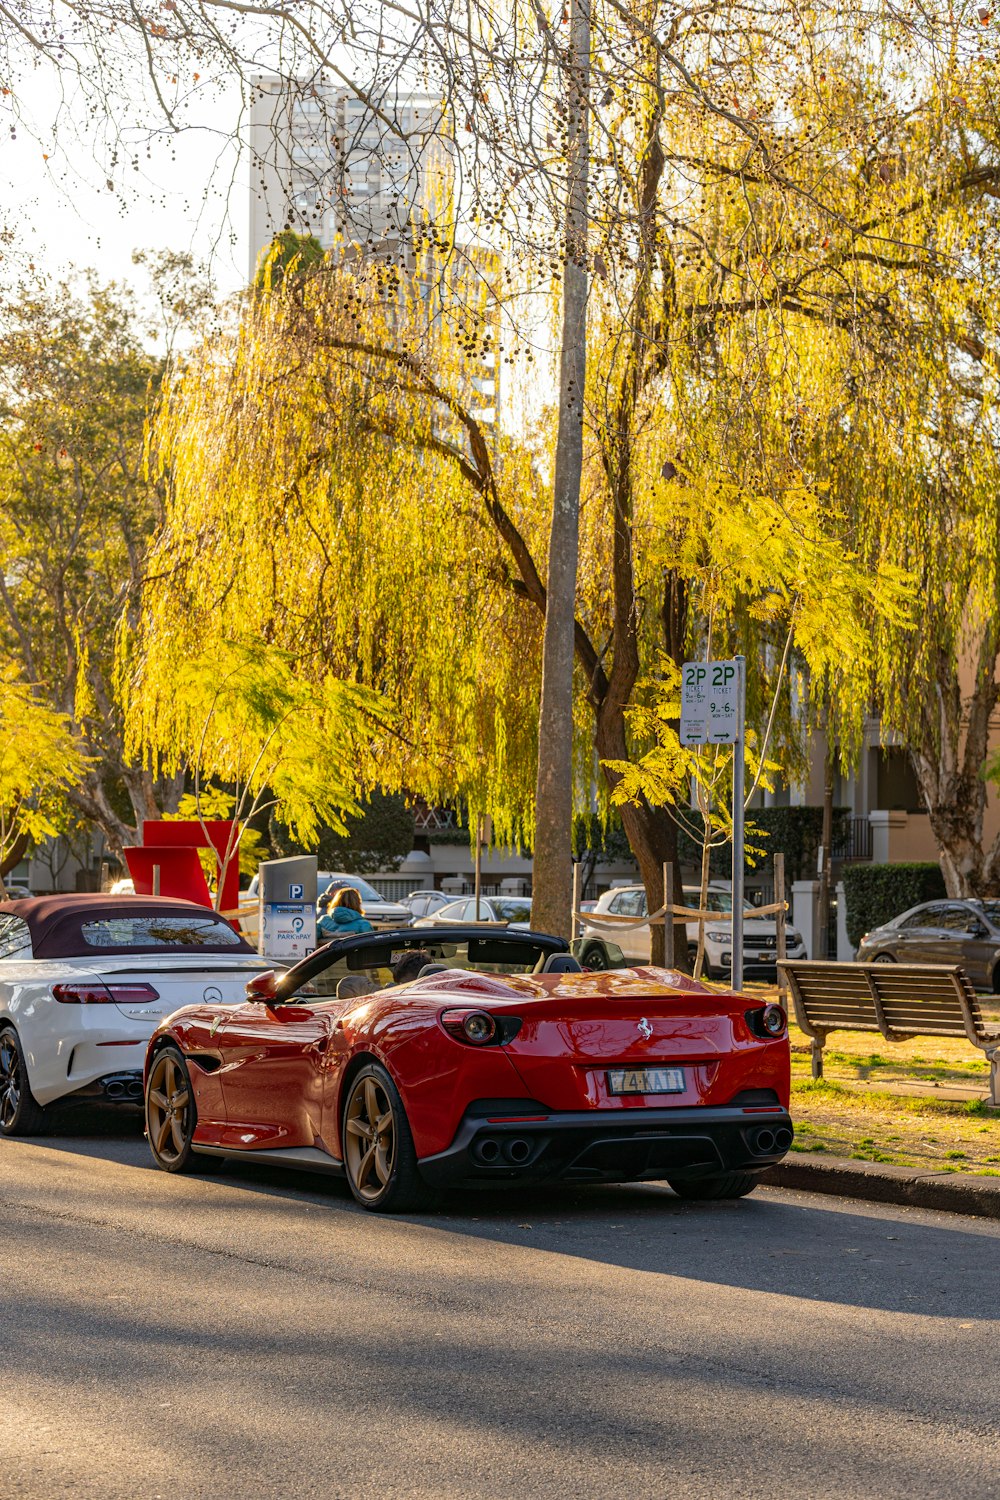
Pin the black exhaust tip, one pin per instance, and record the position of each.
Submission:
(517, 1151)
(782, 1138)
(488, 1150)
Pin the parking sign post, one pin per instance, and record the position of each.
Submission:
(713, 712)
(739, 794)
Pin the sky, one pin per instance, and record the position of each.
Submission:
(189, 194)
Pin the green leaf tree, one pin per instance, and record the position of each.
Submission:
(76, 515)
(378, 837)
(41, 763)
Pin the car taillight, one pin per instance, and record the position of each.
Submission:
(478, 1028)
(768, 1021)
(474, 1026)
(93, 992)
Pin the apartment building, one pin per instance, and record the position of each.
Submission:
(362, 175)
(348, 170)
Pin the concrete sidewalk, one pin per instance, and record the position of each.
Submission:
(948, 1192)
(921, 1088)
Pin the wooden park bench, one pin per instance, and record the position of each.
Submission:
(899, 1001)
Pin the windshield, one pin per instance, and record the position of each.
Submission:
(721, 901)
(514, 909)
(992, 910)
(177, 931)
(375, 961)
(365, 891)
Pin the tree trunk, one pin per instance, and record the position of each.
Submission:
(553, 852)
(14, 855)
(948, 758)
(826, 844)
(91, 802)
(651, 831)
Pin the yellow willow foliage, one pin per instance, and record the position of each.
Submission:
(815, 429)
(763, 547)
(241, 712)
(317, 502)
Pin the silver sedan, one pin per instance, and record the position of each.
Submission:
(513, 911)
(942, 932)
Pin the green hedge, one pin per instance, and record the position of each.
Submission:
(876, 893)
(794, 832)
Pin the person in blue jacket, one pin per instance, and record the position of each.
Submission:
(343, 916)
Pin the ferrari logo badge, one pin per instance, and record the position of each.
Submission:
(644, 1029)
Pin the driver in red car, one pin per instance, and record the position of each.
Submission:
(409, 965)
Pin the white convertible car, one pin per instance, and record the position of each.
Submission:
(84, 980)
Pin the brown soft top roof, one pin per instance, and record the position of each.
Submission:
(55, 922)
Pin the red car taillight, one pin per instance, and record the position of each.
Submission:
(477, 1027)
(93, 992)
(769, 1021)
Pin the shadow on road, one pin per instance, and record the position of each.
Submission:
(819, 1249)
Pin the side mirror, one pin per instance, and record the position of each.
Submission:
(263, 987)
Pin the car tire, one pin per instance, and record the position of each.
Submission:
(709, 1189)
(171, 1115)
(20, 1113)
(594, 959)
(884, 958)
(380, 1160)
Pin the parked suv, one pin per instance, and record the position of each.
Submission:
(760, 934)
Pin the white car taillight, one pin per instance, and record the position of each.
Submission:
(93, 992)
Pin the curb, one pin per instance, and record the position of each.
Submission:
(947, 1192)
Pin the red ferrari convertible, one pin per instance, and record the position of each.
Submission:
(415, 1061)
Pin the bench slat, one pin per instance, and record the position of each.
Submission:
(925, 1000)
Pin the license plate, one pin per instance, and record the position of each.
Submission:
(646, 1081)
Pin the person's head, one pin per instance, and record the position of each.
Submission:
(408, 967)
(346, 896)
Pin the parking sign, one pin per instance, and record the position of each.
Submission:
(710, 703)
(723, 718)
(694, 702)
(712, 711)
(296, 892)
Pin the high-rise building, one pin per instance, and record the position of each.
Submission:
(363, 174)
(325, 162)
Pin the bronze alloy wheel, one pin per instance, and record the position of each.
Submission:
(170, 1113)
(19, 1114)
(379, 1155)
(370, 1138)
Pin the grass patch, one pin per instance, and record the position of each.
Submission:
(852, 1057)
(936, 1135)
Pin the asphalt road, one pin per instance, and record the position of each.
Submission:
(255, 1335)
